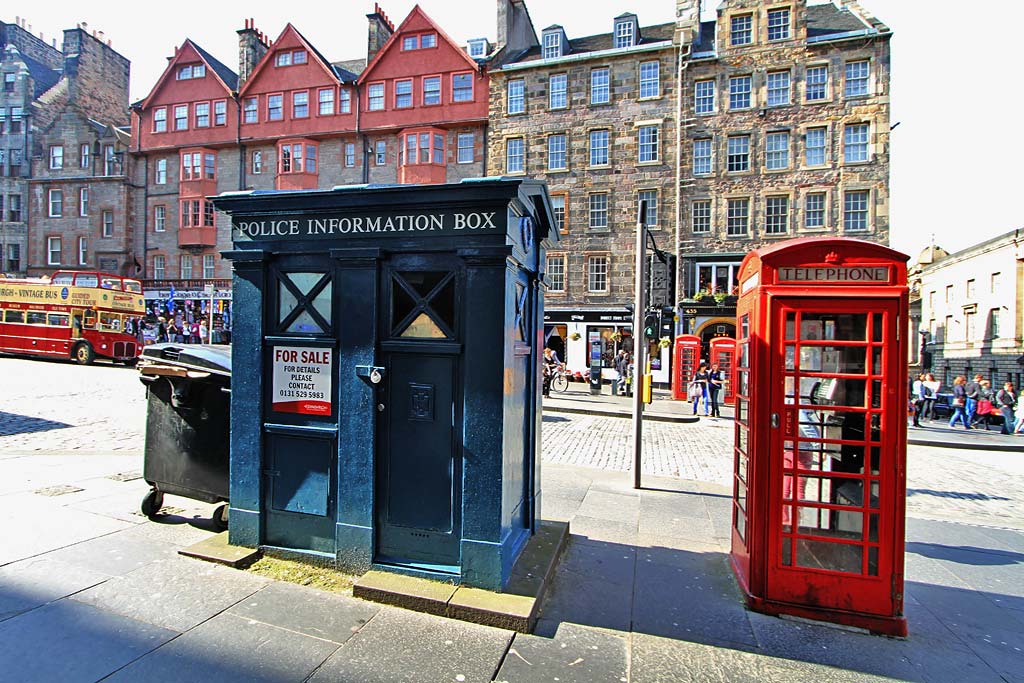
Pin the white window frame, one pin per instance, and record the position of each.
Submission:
(648, 142)
(107, 223)
(737, 215)
(556, 273)
(703, 156)
(782, 28)
(816, 79)
(159, 267)
(779, 85)
(201, 112)
(857, 143)
(776, 150)
(325, 101)
(598, 210)
(864, 211)
(704, 96)
(650, 82)
(403, 93)
(600, 85)
(652, 199)
(83, 251)
(431, 91)
(558, 152)
(256, 162)
(741, 94)
(160, 120)
(85, 156)
(741, 26)
(375, 96)
(859, 85)
(558, 98)
(300, 104)
(159, 218)
(350, 154)
(185, 264)
(552, 45)
(180, 117)
(600, 147)
(515, 155)
(738, 152)
(463, 93)
(209, 266)
(53, 251)
(814, 135)
(598, 274)
(55, 203)
(777, 213)
(625, 34)
(466, 153)
(83, 201)
(56, 157)
(704, 203)
(516, 96)
(816, 211)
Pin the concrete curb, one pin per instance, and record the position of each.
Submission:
(655, 417)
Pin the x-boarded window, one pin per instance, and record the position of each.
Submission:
(303, 302)
(423, 304)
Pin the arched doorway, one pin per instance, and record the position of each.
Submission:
(715, 327)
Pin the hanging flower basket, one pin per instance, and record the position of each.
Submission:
(574, 336)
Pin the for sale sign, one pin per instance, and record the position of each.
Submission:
(302, 380)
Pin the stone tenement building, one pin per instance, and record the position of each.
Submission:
(595, 118)
(786, 119)
(63, 189)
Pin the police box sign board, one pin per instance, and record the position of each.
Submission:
(430, 223)
(863, 275)
(302, 380)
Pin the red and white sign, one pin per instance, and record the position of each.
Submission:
(302, 380)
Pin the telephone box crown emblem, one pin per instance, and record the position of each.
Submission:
(832, 257)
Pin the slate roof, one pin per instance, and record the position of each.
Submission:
(824, 20)
(43, 76)
(605, 41)
(229, 77)
(349, 70)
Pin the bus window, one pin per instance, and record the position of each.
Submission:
(133, 286)
(110, 322)
(62, 278)
(86, 280)
(35, 318)
(14, 317)
(90, 320)
(57, 319)
(110, 283)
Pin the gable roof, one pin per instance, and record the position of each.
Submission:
(417, 12)
(220, 72)
(269, 57)
(604, 41)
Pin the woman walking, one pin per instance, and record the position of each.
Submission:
(701, 393)
(714, 386)
(929, 396)
(1006, 401)
(959, 402)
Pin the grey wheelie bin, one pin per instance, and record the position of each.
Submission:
(187, 424)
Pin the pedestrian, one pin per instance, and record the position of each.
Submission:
(959, 402)
(1018, 425)
(931, 389)
(621, 369)
(204, 332)
(973, 389)
(714, 386)
(701, 380)
(161, 329)
(194, 332)
(917, 393)
(984, 410)
(1006, 401)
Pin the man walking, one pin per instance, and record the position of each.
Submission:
(973, 389)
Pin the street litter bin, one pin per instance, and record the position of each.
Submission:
(188, 424)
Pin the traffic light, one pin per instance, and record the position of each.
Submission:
(651, 325)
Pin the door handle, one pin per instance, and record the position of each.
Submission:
(380, 407)
(775, 420)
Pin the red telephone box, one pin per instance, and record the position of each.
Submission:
(685, 361)
(820, 453)
(723, 354)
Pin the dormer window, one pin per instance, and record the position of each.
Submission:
(290, 57)
(625, 31)
(190, 71)
(478, 48)
(421, 41)
(554, 43)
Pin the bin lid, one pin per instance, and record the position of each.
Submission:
(208, 358)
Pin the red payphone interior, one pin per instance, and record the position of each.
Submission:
(723, 354)
(685, 361)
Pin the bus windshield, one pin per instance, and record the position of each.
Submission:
(63, 278)
(133, 286)
(86, 280)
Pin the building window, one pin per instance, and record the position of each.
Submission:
(738, 218)
(375, 97)
(300, 105)
(949, 294)
(56, 157)
(431, 90)
(600, 92)
(251, 108)
(855, 210)
(994, 318)
(778, 24)
(516, 98)
(181, 117)
(83, 251)
(190, 71)
(220, 113)
(856, 79)
(994, 283)
(647, 139)
(624, 34)
(702, 161)
(778, 88)
(209, 266)
(599, 148)
(345, 101)
(855, 143)
(650, 79)
(651, 197)
(191, 166)
(257, 162)
(56, 203)
(742, 30)
(739, 92)
(350, 154)
(738, 153)
(53, 248)
(597, 274)
(381, 153)
(275, 107)
(159, 218)
(9, 79)
(110, 159)
(599, 211)
(14, 208)
(776, 215)
(814, 210)
(970, 322)
(478, 48)
(716, 277)
(556, 272)
(186, 267)
(297, 158)
(108, 224)
(816, 83)
(466, 148)
(16, 113)
(462, 87)
(85, 155)
(422, 143)
(558, 202)
(161, 172)
(704, 97)
(556, 153)
(202, 110)
(514, 155)
(700, 216)
(83, 201)
(403, 94)
(159, 267)
(558, 88)
(410, 43)
(552, 45)
(970, 289)
(815, 146)
(290, 57)
(776, 151)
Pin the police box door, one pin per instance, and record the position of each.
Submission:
(419, 456)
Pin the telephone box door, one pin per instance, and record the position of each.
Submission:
(686, 362)
(723, 354)
(833, 454)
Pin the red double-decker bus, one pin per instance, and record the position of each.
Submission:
(80, 315)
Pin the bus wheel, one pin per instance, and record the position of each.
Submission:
(83, 354)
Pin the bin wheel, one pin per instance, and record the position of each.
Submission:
(152, 503)
(83, 353)
(220, 517)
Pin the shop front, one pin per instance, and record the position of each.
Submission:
(191, 302)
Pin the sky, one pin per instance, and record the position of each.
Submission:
(954, 153)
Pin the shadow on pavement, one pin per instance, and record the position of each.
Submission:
(953, 494)
(961, 554)
(12, 423)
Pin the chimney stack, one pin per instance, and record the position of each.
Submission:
(252, 46)
(381, 29)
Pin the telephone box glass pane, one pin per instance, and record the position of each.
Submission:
(833, 326)
(287, 302)
(791, 326)
(838, 557)
(423, 327)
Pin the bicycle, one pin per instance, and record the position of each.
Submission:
(559, 381)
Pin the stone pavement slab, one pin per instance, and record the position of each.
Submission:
(70, 642)
(231, 649)
(113, 554)
(575, 654)
(33, 583)
(402, 646)
(308, 611)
